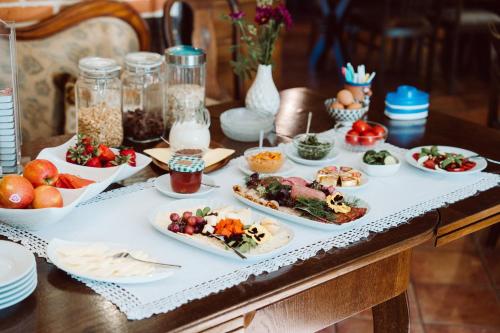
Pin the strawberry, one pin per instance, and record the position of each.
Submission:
(77, 155)
(109, 164)
(70, 158)
(85, 140)
(105, 154)
(94, 162)
(89, 149)
(128, 155)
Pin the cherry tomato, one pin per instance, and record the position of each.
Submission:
(379, 131)
(352, 137)
(416, 156)
(467, 165)
(430, 164)
(360, 126)
(367, 138)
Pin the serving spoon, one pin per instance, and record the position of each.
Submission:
(241, 255)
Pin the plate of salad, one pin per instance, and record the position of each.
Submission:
(445, 160)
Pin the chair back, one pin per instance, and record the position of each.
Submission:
(48, 53)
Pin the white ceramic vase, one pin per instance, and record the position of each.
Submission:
(263, 96)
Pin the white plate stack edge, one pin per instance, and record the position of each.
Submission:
(18, 276)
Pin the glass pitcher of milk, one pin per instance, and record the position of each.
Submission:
(190, 129)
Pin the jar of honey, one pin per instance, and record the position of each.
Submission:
(185, 173)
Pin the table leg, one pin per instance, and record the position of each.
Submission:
(392, 316)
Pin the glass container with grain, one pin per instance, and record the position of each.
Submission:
(99, 100)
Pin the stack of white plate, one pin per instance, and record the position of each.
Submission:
(18, 277)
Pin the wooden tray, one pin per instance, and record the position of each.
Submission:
(212, 168)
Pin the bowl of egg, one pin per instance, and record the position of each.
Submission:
(345, 107)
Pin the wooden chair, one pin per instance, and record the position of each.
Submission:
(460, 20)
(48, 55)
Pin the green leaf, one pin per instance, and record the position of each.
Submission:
(434, 151)
(199, 213)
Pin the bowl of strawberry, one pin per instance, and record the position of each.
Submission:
(361, 135)
(84, 152)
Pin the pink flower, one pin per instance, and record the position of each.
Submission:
(237, 15)
(263, 14)
(282, 15)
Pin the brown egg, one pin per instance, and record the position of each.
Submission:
(345, 97)
(355, 106)
(337, 106)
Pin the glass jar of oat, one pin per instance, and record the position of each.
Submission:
(99, 100)
(185, 80)
(143, 97)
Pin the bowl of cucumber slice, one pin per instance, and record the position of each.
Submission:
(380, 163)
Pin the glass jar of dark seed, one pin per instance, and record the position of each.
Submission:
(143, 97)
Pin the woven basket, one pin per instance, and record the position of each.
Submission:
(345, 114)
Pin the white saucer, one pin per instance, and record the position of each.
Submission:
(291, 152)
(15, 263)
(162, 184)
(287, 168)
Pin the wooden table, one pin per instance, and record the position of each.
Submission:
(303, 297)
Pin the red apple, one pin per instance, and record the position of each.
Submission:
(46, 197)
(41, 172)
(15, 192)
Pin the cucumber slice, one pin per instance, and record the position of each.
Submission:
(390, 160)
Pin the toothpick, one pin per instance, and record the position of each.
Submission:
(261, 139)
(309, 118)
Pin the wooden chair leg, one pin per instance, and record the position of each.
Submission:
(392, 316)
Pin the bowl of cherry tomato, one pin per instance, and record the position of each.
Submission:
(361, 135)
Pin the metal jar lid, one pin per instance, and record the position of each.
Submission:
(188, 164)
(146, 61)
(95, 66)
(185, 55)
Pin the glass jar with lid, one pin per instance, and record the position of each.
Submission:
(185, 80)
(98, 100)
(189, 120)
(143, 97)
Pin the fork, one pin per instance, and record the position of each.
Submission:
(488, 159)
(128, 255)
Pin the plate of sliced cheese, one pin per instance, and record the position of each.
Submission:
(215, 158)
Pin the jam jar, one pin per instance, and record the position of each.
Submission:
(185, 173)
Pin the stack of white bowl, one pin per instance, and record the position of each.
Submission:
(244, 125)
(18, 278)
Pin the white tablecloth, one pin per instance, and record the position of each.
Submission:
(120, 216)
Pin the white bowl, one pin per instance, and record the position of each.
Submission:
(58, 155)
(102, 177)
(36, 219)
(243, 125)
(380, 170)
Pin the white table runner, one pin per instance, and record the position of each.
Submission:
(120, 216)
